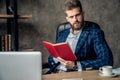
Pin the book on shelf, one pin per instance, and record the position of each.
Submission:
(2, 43)
(60, 50)
(5, 42)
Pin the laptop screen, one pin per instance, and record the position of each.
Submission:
(20, 66)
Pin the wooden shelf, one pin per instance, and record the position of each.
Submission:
(12, 17)
(5, 16)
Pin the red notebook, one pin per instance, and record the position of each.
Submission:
(60, 50)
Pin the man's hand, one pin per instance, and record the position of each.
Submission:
(67, 64)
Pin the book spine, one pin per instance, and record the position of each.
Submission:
(6, 42)
(9, 42)
(0, 42)
(3, 43)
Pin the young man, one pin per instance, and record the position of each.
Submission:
(86, 40)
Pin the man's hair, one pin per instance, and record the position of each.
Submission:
(70, 4)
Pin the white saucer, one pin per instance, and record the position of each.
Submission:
(112, 75)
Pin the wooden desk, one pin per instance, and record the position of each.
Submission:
(86, 75)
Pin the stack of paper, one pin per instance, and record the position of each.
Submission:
(116, 71)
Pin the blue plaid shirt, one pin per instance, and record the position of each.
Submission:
(92, 49)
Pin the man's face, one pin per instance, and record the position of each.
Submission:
(75, 17)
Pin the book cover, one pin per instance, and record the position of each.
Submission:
(60, 50)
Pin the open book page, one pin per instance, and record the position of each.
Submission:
(61, 49)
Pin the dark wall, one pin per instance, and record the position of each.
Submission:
(47, 14)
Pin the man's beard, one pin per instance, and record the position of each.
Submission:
(77, 25)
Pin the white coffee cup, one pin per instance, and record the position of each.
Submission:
(106, 70)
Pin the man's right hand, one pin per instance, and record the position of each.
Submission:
(67, 64)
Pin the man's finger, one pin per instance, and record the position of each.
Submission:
(61, 60)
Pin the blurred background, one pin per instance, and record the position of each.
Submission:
(48, 14)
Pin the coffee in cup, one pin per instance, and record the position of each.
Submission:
(106, 70)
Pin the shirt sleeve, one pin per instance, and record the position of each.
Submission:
(79, 66)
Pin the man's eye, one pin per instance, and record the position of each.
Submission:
(71, 16)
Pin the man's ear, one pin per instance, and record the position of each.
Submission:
(67, 19)
(83, 13)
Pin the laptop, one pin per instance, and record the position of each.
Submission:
(20, 66)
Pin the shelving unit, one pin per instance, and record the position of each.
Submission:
(4, 16)
(12, 19)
